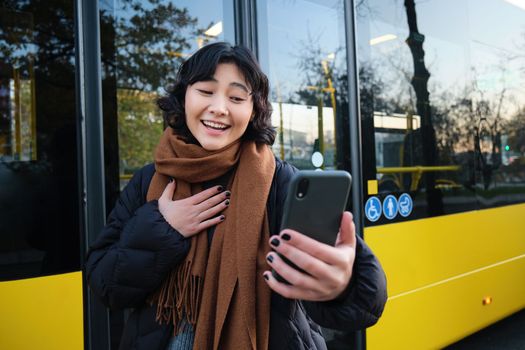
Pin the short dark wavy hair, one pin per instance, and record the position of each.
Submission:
(201, 66)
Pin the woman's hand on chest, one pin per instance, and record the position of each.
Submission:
(194, 214)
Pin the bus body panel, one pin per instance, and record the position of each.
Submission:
(43, 313)
(439, 271)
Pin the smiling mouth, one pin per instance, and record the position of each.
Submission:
(214, 125)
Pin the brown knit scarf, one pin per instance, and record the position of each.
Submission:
(222, 294)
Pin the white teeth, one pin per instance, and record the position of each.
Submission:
(214, 125)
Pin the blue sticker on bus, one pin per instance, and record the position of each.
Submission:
(390, 207)
(373, 209)
(405, 205)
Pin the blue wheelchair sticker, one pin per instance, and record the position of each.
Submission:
(405, 205)
(390, 207)
(373, 209)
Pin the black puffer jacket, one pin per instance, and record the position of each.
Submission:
(138, 248)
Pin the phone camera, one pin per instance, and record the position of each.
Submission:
(302, 188)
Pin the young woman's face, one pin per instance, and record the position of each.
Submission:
(218, 110)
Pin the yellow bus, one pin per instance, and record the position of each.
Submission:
(423, 102)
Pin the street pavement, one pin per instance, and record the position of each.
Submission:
(507, 334)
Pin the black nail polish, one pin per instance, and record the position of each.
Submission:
(269, 258)
(286, 236)
(266, 277)
(220, 188)
(228, 194)
(223, 217)
(227, 202)
(275, 242)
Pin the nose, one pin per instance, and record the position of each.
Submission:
(218, 106)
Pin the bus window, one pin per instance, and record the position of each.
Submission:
(305, 58)
(39, 202)
(498, 100)
(437, 105)
(139, 61)
(302, 50)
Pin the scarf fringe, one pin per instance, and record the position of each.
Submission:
(188, 289)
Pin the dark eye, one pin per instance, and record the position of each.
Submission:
(237, 99)
(205, 92)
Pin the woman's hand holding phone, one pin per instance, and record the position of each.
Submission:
(328, 268)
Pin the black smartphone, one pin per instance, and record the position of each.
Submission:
(314, 205)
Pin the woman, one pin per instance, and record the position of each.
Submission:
(190, 243)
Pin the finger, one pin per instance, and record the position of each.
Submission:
(213, 201)
(211, 222)
(169, 190)
(205, 215)
(295, 277)
(347, 231)
(287, 291)
(202, 196)
(321, 251)
(303, 260)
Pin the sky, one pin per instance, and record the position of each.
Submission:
(465, 41)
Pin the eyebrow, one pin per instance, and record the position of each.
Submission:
(234, 84)
(240, 86)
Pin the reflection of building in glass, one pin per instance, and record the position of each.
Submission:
(388, 148)
(390, 132)
(295, 145)
(302, 118)
(17, 89)
(396, 121)
(301, 131)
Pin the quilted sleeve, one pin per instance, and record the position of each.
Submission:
(135, 250)
(361, 305)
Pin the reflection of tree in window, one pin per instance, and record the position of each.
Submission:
(142, 48)
(491, 92)
(17, 108)
(150, 41)
(427, 133)
(37, 53)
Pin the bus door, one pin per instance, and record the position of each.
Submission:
(135, 75)
(40, 229)
(305, 58)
